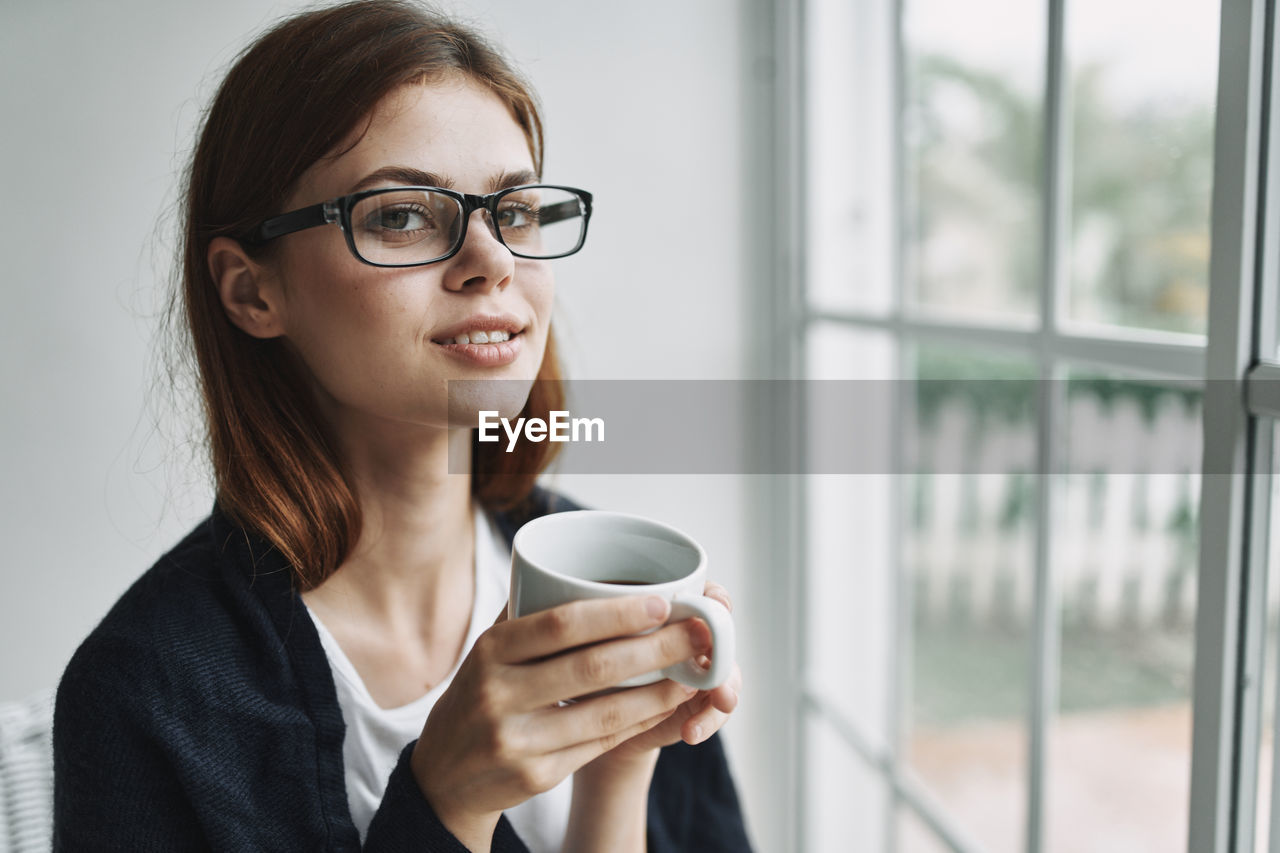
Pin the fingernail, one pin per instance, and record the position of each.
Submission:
(658, 608)
(697, 734)
(688, 690)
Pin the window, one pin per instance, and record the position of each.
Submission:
(1055, 639)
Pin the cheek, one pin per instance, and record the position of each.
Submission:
(540, 290)
(331, 295)
(349, 330)
(347, 320)
(542, 301)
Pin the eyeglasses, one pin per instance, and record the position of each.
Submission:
(411, 226)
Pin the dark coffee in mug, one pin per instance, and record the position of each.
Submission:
(628, 582)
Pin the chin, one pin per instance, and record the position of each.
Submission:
(468, 397)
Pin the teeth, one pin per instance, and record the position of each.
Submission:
(482, 338)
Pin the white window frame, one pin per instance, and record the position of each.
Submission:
(1240, 408)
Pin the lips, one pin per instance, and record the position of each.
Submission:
(483, 340)
(486, 354)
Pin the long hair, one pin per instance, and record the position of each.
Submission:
(290, 99)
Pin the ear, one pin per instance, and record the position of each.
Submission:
(250, 294)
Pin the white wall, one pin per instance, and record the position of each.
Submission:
(644, 103)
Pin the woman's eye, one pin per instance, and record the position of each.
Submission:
(400, 219)
(517, 216)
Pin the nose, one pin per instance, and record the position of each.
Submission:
(483, 263)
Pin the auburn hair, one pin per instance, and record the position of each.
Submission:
(290, 99)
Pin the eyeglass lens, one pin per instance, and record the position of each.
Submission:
(414, 226)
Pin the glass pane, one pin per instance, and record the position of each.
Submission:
(915, 836)
(850, 601)
(849, 156)
(1124, 549)
(1265, 806)
(1143, 79)
(838, 351)
(844, 797)
(849, 595)
(968, 547)
(973, 146)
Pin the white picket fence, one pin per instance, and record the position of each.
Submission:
(1122, 520)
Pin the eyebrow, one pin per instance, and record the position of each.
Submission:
(407, 176)
(512, 179)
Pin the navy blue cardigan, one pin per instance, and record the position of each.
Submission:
(201, 715)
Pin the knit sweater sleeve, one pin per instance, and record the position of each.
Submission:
(118, 788)
(138, 766)
(405, 820)
(113, 787)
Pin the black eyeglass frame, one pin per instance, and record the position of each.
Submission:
(337, 211)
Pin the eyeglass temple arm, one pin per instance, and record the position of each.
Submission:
(562, 211)
(297, 220)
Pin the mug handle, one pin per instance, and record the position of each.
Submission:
(722, 646)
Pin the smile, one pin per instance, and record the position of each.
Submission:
(483, 348)
(478, 337)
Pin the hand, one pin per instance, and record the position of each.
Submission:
(696, 719)
(498, 736)
(610, 793)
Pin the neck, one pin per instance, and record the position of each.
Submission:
(415, 552)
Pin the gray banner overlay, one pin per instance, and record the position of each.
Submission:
(858, 426)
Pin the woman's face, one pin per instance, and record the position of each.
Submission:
(380, 342)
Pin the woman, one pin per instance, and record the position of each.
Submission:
(316, 667)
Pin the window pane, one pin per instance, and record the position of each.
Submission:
(849, 156)
(1265, 804)
(968, 546)
(1124, 552)
(839, 351)
(915, 836)
(1143, 79)
(973, 145)
(845, 799)
(849, 596)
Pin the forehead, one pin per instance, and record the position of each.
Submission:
(455, 128)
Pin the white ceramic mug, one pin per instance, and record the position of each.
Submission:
(568, 556)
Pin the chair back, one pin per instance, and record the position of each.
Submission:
(26, 774)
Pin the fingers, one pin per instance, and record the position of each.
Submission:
(576, 756)
(598, 667)
(577, 624)
(714, 708)
(724, 698)
(607, 720)
(719, 593)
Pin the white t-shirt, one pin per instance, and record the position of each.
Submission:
(375, 736)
